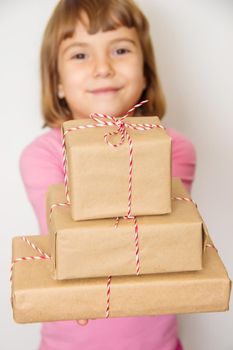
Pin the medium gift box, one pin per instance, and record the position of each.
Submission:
(99, 248)
(36, 297)
(113, 170)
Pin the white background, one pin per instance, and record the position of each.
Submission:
(194, 48)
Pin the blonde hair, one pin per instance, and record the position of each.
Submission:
(103, 15)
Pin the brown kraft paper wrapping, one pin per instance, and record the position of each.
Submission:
(95, 248)
(99, 174)
(36, 297)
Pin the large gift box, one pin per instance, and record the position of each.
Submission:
(36, 297)
(97, 248)
(98, 174)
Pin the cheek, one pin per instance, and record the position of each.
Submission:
(135, 70)
(71, 83)
(71, 73)
(137, 78)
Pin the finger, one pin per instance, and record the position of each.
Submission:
(82, 322)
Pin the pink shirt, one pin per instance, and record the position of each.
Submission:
(41, 166)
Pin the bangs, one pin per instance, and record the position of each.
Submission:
(97, 15)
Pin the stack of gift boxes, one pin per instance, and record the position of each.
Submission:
(125, 239)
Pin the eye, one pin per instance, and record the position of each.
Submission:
(121, 51)
(79, 56)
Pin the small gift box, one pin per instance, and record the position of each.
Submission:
(151, 244)
(39, 298)
(116, 169)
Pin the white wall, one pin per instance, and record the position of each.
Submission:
(193, 43)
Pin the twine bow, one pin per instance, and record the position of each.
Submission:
(121, 126)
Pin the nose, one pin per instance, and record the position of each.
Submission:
(103, 67)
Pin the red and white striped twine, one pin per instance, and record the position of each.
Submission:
(43, 256)
(136, 239)
(53, 206)
(35, 247)
(108, 296)
(187, 199)
(137, 246)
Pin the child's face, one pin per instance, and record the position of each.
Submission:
(102, 72)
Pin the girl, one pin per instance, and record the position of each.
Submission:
(97, 57)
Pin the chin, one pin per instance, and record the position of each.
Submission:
(111, 111)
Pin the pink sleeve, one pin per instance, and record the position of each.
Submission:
(40, 166)
(183, 158)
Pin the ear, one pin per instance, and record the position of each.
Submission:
(60, 91)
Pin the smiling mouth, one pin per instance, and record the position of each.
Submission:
(107, 90)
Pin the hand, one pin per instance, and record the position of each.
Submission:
(82, 322)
